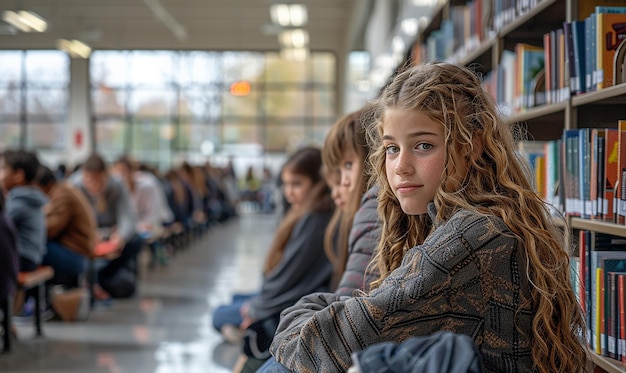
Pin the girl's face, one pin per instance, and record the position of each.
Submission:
(415, 158)
(350, 168)
(336, 193)
(296, 188)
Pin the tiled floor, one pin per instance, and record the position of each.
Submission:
(167, 326)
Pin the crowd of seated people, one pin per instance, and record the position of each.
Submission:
(90, 225)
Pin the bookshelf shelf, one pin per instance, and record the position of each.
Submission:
(598, 226)
(610, 95)
(538, 112)
(609, 365)
(480, 55)
(532, 16)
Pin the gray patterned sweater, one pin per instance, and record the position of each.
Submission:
(468, 277)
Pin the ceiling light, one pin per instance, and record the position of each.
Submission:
(409, 26)
(296, 38)
(75, 48)
(25, 21)
(285, 15)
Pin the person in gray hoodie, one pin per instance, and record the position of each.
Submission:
(24, 206)
(116, 220)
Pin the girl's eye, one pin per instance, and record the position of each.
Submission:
(424, 146)
(347, 165)
(392, 149)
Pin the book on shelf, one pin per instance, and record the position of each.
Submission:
(620, 194)
(578, 40)
(597, 251)
(610, 31)
(603, 262)
(611, 173)
(530, 62)
(571, 166)
(596, 179)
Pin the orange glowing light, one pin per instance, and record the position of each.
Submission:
(240, 88)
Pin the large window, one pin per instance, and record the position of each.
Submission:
(159, 106)
(34, 99)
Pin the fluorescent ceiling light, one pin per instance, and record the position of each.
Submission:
(409, 26)
(289, 15)
(296, 38)
(75, 48)
(25, 21)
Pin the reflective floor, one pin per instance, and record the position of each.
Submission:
(166, 327)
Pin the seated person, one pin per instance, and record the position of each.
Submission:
(24, 206)
(71, 229)
(149, 202)
(295, 264)
(111, 204)
(8, 254)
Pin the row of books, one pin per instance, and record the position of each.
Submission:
(470, 24)
(514, 84)
(599, 280)
(590, 48)
(578, 58)
(583, 173)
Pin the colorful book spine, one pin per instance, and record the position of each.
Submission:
(610, 31)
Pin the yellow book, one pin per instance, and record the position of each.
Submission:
(599, 307)
(540, 177)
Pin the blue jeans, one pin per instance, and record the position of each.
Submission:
(230, 313)
(63, 260)
(272, 366)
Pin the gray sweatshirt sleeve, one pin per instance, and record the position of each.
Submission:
(126, 219)
(304, 268)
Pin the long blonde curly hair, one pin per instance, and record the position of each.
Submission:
(483, 173)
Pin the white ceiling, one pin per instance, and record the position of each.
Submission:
(334, 25)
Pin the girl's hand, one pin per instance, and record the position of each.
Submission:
(245, 308)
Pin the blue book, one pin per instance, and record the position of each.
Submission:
(578, 36)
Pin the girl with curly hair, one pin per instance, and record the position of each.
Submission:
(467, 245)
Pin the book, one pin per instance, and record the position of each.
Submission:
(610, 170)
(621, 173)
(610, 31)
(578, 36)
(597, 172)
(530, 62)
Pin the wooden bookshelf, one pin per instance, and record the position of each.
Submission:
(598, 226)
(608, 365)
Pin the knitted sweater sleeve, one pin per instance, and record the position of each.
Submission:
(437, 287)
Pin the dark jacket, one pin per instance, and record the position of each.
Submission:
(24, 206)
(441, 352)
(362, 242)
(8, 257)
(303, 269)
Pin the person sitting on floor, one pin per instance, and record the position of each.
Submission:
(295, 264)
(116, 222)
(71, 230)
(24, 206)
(8, 254)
